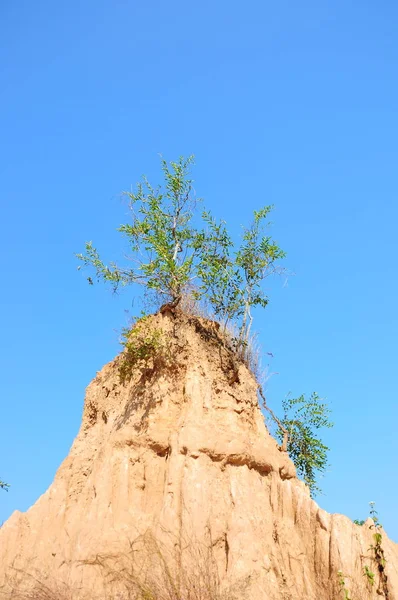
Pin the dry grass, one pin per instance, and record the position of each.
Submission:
(195, 308)
(26, 586)
(250, 353)
(151, 570)
(148, 570)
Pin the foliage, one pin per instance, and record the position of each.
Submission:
(218, 276)
(170, 255)
(370, 576)
(231, 279)
(359, 522)
(374, 516)
(302, 420)
(4, 486)
(377, 557)
(161, 239)
(141, 344)
(342, 584)
(256, 258)
(378, 551)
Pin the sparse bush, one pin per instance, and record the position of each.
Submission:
(378, 556)
(378, 560)
(370, 576)
(142, 344)
(301, 421)
(341, 579)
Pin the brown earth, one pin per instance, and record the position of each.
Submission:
(174, 480)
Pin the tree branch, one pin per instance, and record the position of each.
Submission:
(283, 447)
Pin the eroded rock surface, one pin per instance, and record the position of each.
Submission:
(182, 452)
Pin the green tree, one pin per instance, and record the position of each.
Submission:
(300, 425)
(168, 254)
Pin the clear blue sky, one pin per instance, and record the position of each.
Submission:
(291, 103)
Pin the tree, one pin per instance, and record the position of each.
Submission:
(302, 419)
(169, 254)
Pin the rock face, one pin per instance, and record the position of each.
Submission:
(180, 452)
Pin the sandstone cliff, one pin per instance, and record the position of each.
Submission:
(179, 455)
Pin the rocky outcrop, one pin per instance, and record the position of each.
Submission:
(179, 451)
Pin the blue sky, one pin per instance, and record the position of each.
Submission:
(287, 103)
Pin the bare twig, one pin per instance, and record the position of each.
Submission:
(283, 447)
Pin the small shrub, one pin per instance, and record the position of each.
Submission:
(378, 552)
(342, 585)
(376, 557)
(142, 344)
(370, 576)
